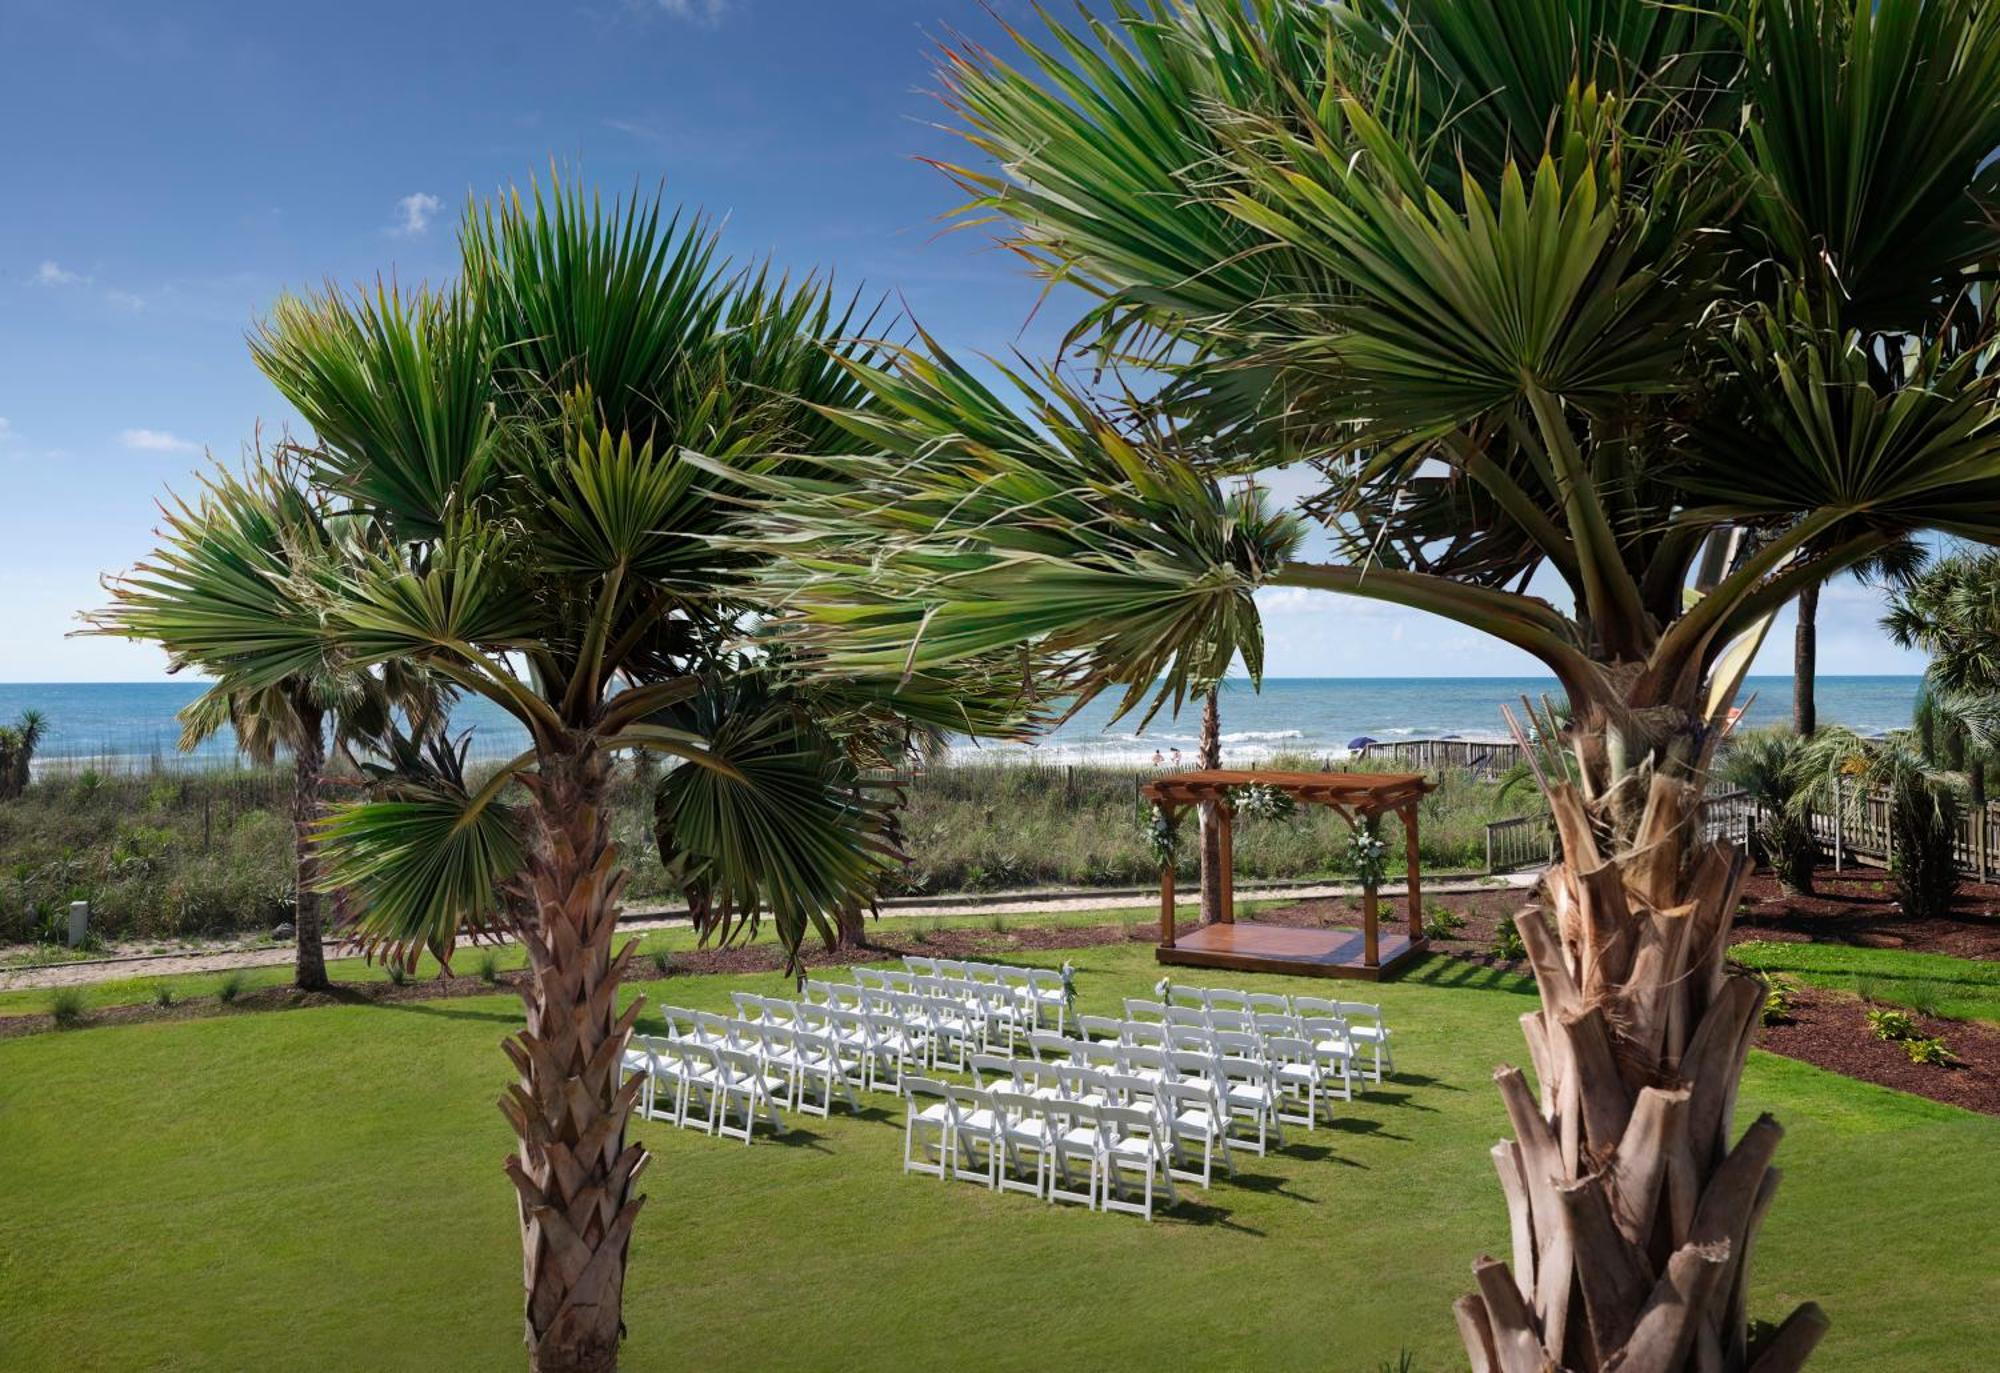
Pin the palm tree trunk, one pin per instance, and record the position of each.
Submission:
(308, 765)
(1210, 756)
(850, 928)
(1805, 663)
(1633, 1205)
(574, 1172)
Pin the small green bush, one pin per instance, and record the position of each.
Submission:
(489, 968)
(1929, 1050)
(1443, 922)
(1892, 1024)
(231, 987)
(399, 976)
(1779, 1000)
(163, 994)
(662, 961)
(1507, 940)
(66, 1007)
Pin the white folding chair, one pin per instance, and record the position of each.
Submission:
(1187, 998)
(702, 1085)
(1247, 1092)
(1024, 1130)
(1296, 1077)
(1196, 1115)
(1046, 988)
(1334, 1051)
(927, 1126)
(1226, 999)
(976, 1131)
(1138, 1008)
(1268, 1003)
(890, 1043)
(1135, 1145)
(1050, 1047)
(1100, 1027)
(1366, 1028)
(950, 1028)
(745, 1082)
(1189, 1017)
(824, 1071)
(917, 963)
(1074, 1137)
(1236, 1021)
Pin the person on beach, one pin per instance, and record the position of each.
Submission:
(1177, 760)
(1159, 759)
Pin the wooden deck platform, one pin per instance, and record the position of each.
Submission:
(1247, 946)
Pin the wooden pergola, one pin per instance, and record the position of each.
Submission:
(1244, 945)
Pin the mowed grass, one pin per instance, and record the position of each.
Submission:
(321, 1188)
(1934, 983)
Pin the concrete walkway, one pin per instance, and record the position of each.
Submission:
(224, 958)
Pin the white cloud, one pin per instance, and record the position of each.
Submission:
(126, 300)
(155, 441)
(700, 11)
(418, 210)
(53, 273)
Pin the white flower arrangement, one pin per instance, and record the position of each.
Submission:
(1370, 858)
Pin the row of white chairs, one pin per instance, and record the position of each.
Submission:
(1219, 1105)
(1223, 1008)
(1270, 1080)
(971, 1017)
(1104, 1149)
(1041, 987)
(1035, 994)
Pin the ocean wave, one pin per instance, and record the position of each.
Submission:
(1245, 736)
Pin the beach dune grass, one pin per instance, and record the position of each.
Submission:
(318, 1179)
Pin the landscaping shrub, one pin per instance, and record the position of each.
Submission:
(1929, 1050)
(1443, 922)
(1922, 828)
(66, 1007)
(489, 968)
(1507, 940)
(1778, 1000)
(230, 987)
(662, 961)
(163, 994)
(1887, 1024)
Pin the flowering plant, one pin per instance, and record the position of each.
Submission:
(1264, 802)
(1369, 856)
(1069, 986)
(1162, 836)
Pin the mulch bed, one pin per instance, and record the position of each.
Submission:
(1860, 909)
(1830, 1030)
(887, 940)
(1827, 1029)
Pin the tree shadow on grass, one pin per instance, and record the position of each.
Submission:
(1188, 1211)
(1269, 1184)
(445, 1010)
(1400, 1099)
(1319, 1153)
(1424, 1080)
(1362, 1125)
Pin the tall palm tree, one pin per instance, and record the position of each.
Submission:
(1599, 319)
(522, 439)
(1923, 807)
(1209, 755)
(1894, 566)
(1952, 612)
(238, 557)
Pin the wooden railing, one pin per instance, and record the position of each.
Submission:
(1847, 834)
(1435, 754)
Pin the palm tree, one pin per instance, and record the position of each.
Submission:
(1923, 805)
(239, 556)
(1894, 566)
(522, 441)
(18, 743)
(1952, 612)
(1671, 310)
(1764, 763)
(1209, 755)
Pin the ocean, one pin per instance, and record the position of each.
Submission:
(132, 724)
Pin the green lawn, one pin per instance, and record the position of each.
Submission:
(1934, 983)
(321, 1189)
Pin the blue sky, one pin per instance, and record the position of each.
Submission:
(173, 168)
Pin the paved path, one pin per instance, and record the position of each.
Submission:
(222, 959)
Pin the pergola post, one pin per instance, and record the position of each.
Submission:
(1416, 884)
(1371, 938)
(1225, 817)
(1167, 892)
